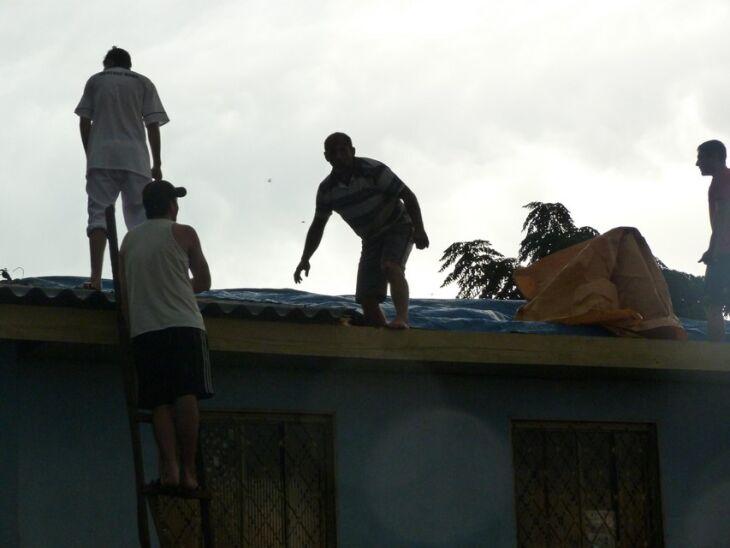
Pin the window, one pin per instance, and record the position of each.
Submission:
(272, 476)
(587, 485)
(272, 479)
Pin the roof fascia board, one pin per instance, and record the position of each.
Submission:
(90, 326)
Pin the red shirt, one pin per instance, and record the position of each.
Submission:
(719, 196)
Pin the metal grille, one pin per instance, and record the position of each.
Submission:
(272, 478)
(586, 485)
(177, 521)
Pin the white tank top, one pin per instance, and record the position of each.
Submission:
(158, 284)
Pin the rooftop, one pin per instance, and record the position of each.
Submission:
(474, 315)
(475, 335)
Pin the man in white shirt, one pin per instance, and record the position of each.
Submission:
(116, 107)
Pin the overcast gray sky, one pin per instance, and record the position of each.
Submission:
(480, 107)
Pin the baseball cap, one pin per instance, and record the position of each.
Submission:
(161, 192)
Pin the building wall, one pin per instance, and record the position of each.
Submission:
(8, 447)
(422, 459)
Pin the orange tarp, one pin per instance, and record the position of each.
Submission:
(610, 280)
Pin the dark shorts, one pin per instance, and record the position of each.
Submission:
(394, 245)
(171, 363)
(717, 281)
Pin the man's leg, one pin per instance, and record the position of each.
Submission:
(163, 423)
(187, 422)
(371, 283)
(715, 322)
(372, 311)
(717, 280)
(97, 246)
(132, 185)
(398, 292)
(102, 190)
(397, 247)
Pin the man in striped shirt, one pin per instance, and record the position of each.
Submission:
(384, 212)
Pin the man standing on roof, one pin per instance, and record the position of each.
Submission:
(711, 158)
(384, 212)
(168, 334)
(114, 110)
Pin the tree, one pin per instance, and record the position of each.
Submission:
(687, 292)
(482, 272)
(479, 271)
(550, 228)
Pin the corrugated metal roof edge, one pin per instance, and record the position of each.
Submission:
(104, 300)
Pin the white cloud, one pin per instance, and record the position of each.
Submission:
(480, 107)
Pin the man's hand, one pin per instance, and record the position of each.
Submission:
(420, 238)
(156, 173)
(706, 257)
(303, 265)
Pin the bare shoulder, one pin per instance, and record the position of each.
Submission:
(405, 191)
(182, 229)
(184, 234)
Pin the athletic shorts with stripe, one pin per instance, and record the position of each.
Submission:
(171, 363)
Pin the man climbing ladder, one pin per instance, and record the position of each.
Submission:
(169, 341)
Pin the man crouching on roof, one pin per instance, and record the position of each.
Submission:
(169, 341)
(384, 212)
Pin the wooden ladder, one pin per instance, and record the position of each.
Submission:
(138, 418)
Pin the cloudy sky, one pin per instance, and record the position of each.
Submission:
(480, 107)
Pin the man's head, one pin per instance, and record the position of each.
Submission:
(160, 200)
(711, 156)
(117, 57)
(339, 152)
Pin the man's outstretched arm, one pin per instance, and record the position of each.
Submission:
(85, 129)
(420, 238)
(153, 136)
(314, 237)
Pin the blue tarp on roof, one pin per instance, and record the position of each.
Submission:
(440, 314)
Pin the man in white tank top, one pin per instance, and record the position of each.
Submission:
(168, 334)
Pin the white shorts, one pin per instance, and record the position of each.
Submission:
(103, 187)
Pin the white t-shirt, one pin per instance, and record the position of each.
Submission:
(120, 102)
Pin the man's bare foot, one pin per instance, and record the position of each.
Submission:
(398, 324)
(94, 286)
(169, 475)
(189, 481)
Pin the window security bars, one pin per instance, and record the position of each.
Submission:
(272, 478)
(586, 485)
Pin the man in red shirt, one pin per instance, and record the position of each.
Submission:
(711, 157)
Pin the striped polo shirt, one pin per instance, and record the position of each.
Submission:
(368, 202)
